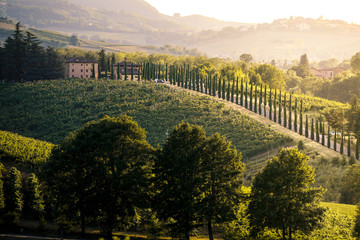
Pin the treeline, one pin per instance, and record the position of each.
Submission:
(106, 175)
(282, 107)
(24, 59)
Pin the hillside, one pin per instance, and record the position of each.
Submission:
(51, 110)
(138, 23)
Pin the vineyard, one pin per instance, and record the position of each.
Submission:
(22, 150)
(50, 110)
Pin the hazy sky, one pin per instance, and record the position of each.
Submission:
(259, 11)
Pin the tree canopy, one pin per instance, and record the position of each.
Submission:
(281, 197)
(101, 171)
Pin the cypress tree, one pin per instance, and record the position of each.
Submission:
(349, 145)
(228, 91)
(246, 96)
(307, 127)
(295, 117)
(290, 114)
(219, 87)
(242, 92)
(118, 71)
(285, 111)
(280, 108)
(223, 89)
(14, 197)
(260, 100)
(317, 131)
(255, 103)
(301, 118)
(357, 148)
(194, 79)
(323, 134)
(106, 70)
(251, 97)
(159, 71)
(237, 91)
(202, 84)
(132, 71)
(210, 85)
(93, 71)
(214, 86)
(124, 70)
(335, 146)
(232, 90)
(166, 72)
(275, 106)
(182, 77)
(186, 78)
(190, 80)
(328, 138)
(312, 129)
(139, 76)
(265, 93)
(270, 106)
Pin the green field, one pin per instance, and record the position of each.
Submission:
(344, 209)
(50, 110)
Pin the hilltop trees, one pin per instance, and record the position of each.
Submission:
(24, 59)
(281, 197)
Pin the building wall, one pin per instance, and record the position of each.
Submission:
(81, 70)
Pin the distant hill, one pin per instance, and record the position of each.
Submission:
(138, 7)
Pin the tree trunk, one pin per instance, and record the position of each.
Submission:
(211, 237)
(82, 223)
(290, 233)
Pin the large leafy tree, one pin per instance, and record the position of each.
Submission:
(101, 171)
(281, 197)
(271, 76)
(221, 172)
(178, 180)
(350, 192)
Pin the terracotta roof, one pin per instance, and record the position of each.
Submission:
(79, 60)
(331, 69)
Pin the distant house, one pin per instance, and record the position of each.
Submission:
(79, 67)
(316, 72)
(329, 72)
(132, 69)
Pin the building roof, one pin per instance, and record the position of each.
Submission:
(332, 69)
(79, 60)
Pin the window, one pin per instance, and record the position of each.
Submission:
(87, 76)
(81, 64)
(87, 70)
(82, 70)
(73, 64)
(72, 75)
(73, 70)
(86, 65)
(81, 76)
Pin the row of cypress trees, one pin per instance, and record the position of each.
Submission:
(267, 102)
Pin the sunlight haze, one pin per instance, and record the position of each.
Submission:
(259, 11)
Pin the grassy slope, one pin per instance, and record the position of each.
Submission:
(50, 110)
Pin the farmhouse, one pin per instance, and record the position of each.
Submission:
(133, 71)
(79, 67)
(329, 72)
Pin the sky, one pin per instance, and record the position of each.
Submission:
(261, 11)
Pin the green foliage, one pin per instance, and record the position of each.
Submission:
(13, 191)
(17, 149)
(178, 180)
(350, 192)
(34, 202)
(281, 197)
(101, 171)
(2, 197)
(356, 232)
(50, 110)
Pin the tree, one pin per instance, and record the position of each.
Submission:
(15, 55)
(33, 197)
(74, 40)
(304, 61)
(356, 231)
(2, 197)
(14, 200)
(101, 171)
(350, 189)
(221, 172)
(246, 57)
(102, 60)
(312, 133)
(271, 76)
(355, 62)
(281, 197)
(307, 126)
(178, 180)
